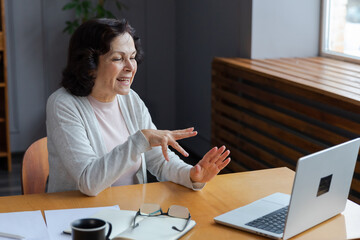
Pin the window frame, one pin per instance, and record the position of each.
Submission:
(323, 28)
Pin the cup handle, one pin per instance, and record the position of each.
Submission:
(109, 231)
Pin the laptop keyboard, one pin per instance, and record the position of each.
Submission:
(272, 222)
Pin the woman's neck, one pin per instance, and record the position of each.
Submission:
(102, 97)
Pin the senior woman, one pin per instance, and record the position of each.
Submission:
(100, 133)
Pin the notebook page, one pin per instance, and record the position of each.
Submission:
(59, 220)
(159, 228)
(29, 224)
(121, 220)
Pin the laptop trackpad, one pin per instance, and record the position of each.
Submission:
(255, 209)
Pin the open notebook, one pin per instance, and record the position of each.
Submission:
(159, 227)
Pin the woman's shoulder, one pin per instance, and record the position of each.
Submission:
(61, 103)
(61, 100)
(61, 96)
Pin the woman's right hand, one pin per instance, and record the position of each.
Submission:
(164, 138)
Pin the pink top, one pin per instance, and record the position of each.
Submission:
(114, 131)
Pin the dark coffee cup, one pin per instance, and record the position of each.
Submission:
(90, 229)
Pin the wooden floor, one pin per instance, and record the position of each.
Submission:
(10, 183)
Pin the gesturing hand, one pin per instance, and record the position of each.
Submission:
(211, 164)
(164, 138)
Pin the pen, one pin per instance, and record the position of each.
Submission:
(13, 236)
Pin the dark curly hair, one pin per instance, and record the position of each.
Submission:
(90, 40)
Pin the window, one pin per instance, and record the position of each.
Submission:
(341, 29)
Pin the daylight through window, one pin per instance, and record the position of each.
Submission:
(341, 28)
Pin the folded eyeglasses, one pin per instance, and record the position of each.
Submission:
(154, 210)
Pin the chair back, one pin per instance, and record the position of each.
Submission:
(35, 168)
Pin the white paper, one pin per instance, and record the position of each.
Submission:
(59, 220)
(29, 224)
(352, 220)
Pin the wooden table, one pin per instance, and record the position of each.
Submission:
(222, 194)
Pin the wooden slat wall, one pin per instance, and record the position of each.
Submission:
(271, 112)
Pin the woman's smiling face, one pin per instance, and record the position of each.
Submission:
(116, 69)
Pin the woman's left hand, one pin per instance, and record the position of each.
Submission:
(210, 165)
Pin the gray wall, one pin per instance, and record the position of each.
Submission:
(33, 63)
(285, 28)
(205, 29)
(180, 39)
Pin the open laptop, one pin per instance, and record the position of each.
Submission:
(320, 191)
